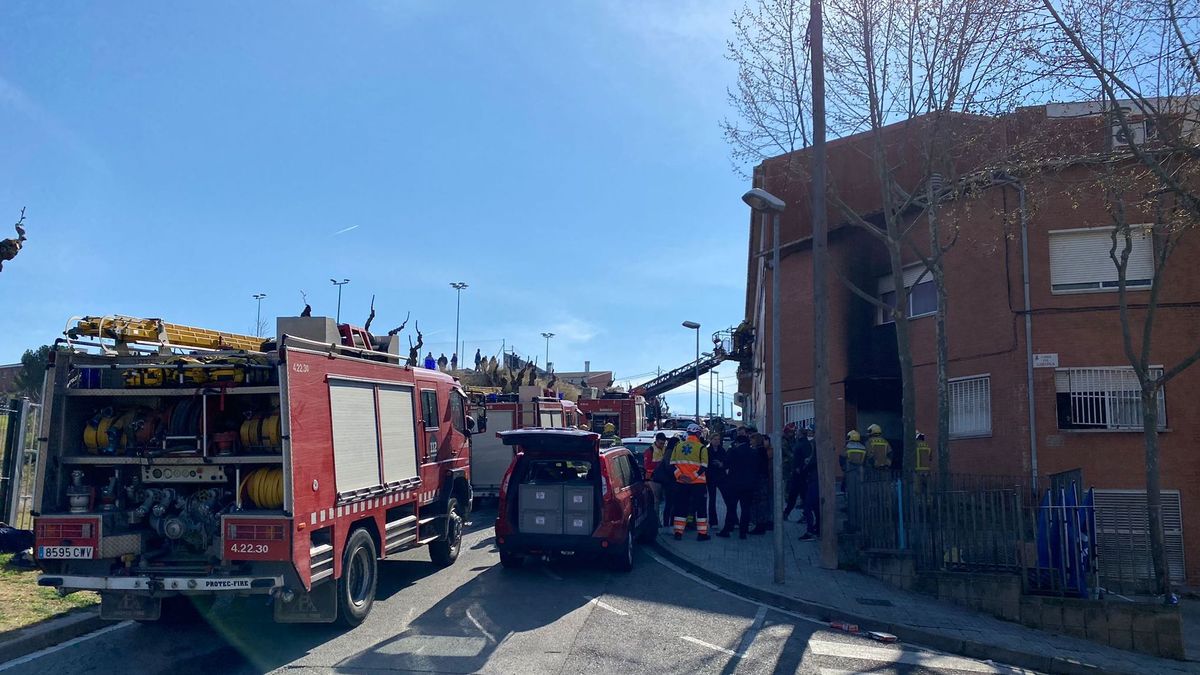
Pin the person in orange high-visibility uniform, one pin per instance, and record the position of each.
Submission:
(689, 460)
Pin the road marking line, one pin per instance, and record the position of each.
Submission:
(713, 647)
(63, 645)
(975, 665)
(752, 632)
(604, 605)
(711, 586)
(846, 650)
(483, 630)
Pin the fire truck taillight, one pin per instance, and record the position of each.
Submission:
(71, 529)
(256, 532)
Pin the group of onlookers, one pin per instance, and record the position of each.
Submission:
(688, 473)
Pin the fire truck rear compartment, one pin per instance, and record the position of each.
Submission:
(159, 469)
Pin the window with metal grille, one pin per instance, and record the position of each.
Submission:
(1123, 536)
(971, 406)
(1080, 260)
(800, 412)
(1103, 398)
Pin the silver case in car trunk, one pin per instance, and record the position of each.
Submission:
(536, 521)
(541, 509)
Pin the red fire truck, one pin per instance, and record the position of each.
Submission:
(178, 463)
(495, 412)
(627, 412)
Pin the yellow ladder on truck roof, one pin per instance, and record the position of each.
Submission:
(128, 329)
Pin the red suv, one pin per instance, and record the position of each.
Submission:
(564, 495)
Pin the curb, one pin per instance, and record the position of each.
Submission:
(919, 636)
(24, 641)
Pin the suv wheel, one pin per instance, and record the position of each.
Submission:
(511, 560)
(649, 530)
(360, 576)
(622, 560)
(444, 551)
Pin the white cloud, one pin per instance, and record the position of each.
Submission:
(573, 329)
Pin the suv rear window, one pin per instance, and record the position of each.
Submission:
(557, 471)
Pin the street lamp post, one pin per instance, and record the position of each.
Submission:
(258, 314)
(720, 396)
(547, 336)
(710, 393)
(764, 202)
(458, 287)
(339, 285)
(696, 327)
(710, 386)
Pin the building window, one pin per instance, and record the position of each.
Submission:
(1103, 398)
(1080, 260)
(970, 406)
(922, 297)
(800, 412)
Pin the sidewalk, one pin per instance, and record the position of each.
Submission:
(745, 567)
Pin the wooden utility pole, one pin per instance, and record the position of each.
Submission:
(823, 435)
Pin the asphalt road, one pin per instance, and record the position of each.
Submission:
(570, 617)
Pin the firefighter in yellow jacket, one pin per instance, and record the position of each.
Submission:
(689, 460)
(879, 452)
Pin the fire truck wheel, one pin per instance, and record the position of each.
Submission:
(444, 551)
(360, 576)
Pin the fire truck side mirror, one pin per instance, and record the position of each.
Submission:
(477, 425)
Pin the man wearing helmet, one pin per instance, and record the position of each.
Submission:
(689, 460)
(852, 464)
(609, 438)
(880, 452)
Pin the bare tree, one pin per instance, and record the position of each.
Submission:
(773, 94)
(937, 67)
(920, 78)
(9, 248)
(1139, 59)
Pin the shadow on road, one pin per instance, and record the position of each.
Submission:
(461, 633)
(252, 642)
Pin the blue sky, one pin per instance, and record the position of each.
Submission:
(563, 158)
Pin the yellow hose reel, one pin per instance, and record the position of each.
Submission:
(264, 487)
(261, 430)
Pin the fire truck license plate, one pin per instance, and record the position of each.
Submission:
(51, 552)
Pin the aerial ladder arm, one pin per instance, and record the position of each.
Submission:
(124, 330)
(732, 344)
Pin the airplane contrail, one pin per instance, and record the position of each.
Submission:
(344, 230)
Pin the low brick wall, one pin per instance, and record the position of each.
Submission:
(1146, 628)
(1140, 627)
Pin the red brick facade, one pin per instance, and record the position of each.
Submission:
(985, 330)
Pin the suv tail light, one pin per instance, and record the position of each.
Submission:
(503, 524)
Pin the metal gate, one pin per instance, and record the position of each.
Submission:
(20, 461)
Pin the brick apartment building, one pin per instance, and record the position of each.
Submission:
(1086, 423)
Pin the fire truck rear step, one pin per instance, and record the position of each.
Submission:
(320, 562)
(400, 534)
